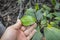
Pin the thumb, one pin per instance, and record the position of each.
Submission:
(17, 25)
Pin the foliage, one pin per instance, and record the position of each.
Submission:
(37, 35)
(47, 19)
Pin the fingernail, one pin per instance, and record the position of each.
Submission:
(18, 21)
(35, 24)
(35, 30)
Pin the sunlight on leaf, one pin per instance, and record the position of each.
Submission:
(36, 6)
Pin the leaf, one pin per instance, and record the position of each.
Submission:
(36, 6)
(58, 18)
(57, 14)
(39, 15)
(37, 35)
(46, 13)
(52, 33)
(46, 7)
(53, 2)
(43, 22)
(57, 6)
(30, 12)
(50, 15)
(49, 26)
(54, 24)
(28, 20)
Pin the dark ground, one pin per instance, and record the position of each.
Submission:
(8, 12)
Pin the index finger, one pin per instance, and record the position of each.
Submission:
(27, 32)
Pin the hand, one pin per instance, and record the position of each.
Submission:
(19, 32)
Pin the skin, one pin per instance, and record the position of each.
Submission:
(19, 32)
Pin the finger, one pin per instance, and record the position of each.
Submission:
(27, 32)
(17, 25)
(23, 28)
(31, 34)
(21, 36)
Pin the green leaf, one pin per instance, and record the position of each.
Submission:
(38, 35)
(54, 24)
(57, 6)
(57, 14)
(28, 20)
(53, 2)
(50, 15)
(52, 33)
(46, 7)
(43, 22)
(36, 6)
(46, 13)
(49, 26)
(30, 12)
(58, 18)
(39, 15)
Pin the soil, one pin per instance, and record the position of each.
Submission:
(8, 12)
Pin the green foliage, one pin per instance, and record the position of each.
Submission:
(51, 28)
(37, 35)
(28, 20)
(43, 22)
(39, 15)
(57, 5)
(50, 15)
(58, 18)
(30, 12)
(52, 33)
(46, 19)
(53, 2)
(56, 14)
(46, 7)
(36, 6)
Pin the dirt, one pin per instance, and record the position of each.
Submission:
(9, 10)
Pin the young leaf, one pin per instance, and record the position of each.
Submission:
(53, 2)
(36, 6)
(54, 24)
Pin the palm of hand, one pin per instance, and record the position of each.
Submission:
(19, 32)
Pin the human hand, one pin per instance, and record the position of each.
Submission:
(19, 32)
